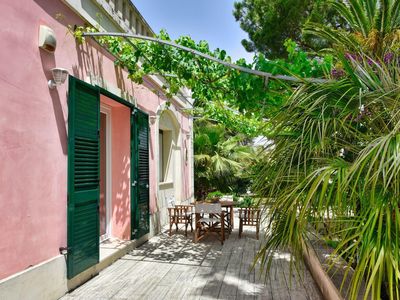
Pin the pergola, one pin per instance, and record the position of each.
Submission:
(265, 75)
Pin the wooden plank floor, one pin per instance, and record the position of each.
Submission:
(176, 268)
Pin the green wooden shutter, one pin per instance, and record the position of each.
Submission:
(140, 174)
(83, 176)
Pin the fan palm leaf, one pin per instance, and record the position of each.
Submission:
(373, 26)
(335, 164)
(220, 158)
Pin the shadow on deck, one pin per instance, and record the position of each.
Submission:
(176, 268)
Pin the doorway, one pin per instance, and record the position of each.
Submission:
(99, 120)
(105, 173)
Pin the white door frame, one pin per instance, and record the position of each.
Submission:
(107, 111)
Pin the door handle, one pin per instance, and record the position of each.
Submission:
(147, 186)
(134, 183)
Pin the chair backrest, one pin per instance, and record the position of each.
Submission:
(180, 213)
(249, 216)
(208, 208)
(184, 207)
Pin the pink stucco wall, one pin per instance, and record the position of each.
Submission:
(33, 130)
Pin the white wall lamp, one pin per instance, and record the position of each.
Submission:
(59, 76)
(152, 119)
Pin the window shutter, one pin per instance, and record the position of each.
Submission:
(83, 176)
(140, 174)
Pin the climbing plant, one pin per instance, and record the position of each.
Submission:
(215, 87)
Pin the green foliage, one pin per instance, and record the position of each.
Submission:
(338, 161)
(269, 23)
(246, 202)
(233, 121)
(235, 198)
(373, 27)
(222, 160)
(240, 100)
(331, 243)
(334, 162)
(213, 195)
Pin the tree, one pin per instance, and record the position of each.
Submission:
(269, 23)
(222, 159)
(373, 27)
(335, 159)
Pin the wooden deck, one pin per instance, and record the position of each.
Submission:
(176, 268)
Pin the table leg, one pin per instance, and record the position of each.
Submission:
(231, 217)
(196, 233)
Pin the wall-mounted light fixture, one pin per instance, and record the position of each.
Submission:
(59, 76)
(152, 119)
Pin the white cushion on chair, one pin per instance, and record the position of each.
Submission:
(208, 220)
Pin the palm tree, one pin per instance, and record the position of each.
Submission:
(373, 26)
(335, 162)
(220, 158)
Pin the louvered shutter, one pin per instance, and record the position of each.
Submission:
(83, 176)
(140, 174)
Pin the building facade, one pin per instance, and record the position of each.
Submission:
(90, 166)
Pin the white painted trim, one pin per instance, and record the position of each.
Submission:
(107, 111)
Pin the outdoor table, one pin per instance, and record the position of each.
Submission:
(229, 204)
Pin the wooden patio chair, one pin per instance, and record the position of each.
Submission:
(227, 218)
(249, 217)
(180, 214)
(209, 218)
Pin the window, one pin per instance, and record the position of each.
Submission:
(169, 158)
(138, 27)
(166, 157)
(131, 19)
(124, 15)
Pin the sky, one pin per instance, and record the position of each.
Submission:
(210, 20)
